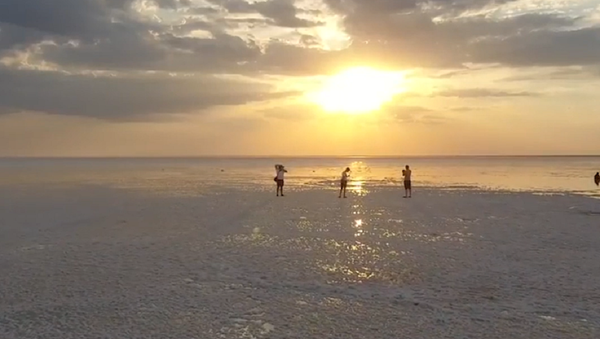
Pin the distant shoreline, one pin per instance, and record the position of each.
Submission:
(312, 156)
(303, 157)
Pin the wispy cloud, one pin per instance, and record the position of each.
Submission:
(483, 93)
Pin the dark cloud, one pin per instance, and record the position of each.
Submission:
(122, 97)
(202, 11)
(101, 29)
(234, 6)
(173, 4)
(221, 53)
(387, 7)
(543, 48)
(13, 37)
(407, 33)
(108, 36)
(585, 73)
(128, 50)
(86, 20)
(283, 13)
(413, 39)
(307, 40)
(60, 17)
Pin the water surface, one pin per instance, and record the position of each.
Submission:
(540, 174)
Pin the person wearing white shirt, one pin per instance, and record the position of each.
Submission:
(279, 178)
(344, 181)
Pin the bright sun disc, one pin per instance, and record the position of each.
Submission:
(359, 90)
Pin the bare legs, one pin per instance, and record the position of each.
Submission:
(280, 188)
(342, 190)
(407, 189)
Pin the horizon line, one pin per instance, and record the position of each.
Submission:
(310, 156)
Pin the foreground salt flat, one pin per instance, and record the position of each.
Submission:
(102, 262)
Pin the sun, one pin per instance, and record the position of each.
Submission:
(359, 90)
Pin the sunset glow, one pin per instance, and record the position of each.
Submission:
(359, 90)
(322, 77)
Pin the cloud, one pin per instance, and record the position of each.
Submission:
(123, 97)
(407, 114)
(543, 48)
(282, 13)
(482, 93)
(94, 34)
(585, 73)
(61, 17)
(222, 53)
(101, 34)
(95, 30)
(140, 42)
(416, 33)
(173, 4)
(465, 109)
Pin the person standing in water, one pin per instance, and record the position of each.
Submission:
(279, 178)
(597, 178)
(344, 181)
(406, 173)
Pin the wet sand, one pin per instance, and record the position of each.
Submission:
(100, 262)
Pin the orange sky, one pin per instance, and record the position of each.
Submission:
(229, 77)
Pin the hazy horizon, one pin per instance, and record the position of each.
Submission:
(308, 156)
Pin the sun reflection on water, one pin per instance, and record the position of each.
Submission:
(339, 260)
(358, 223)
(357, 186)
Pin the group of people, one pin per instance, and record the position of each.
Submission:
(406, 175)
(280, 180)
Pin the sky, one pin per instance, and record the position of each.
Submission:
(243, 77)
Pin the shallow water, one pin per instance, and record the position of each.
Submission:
(194, 175)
